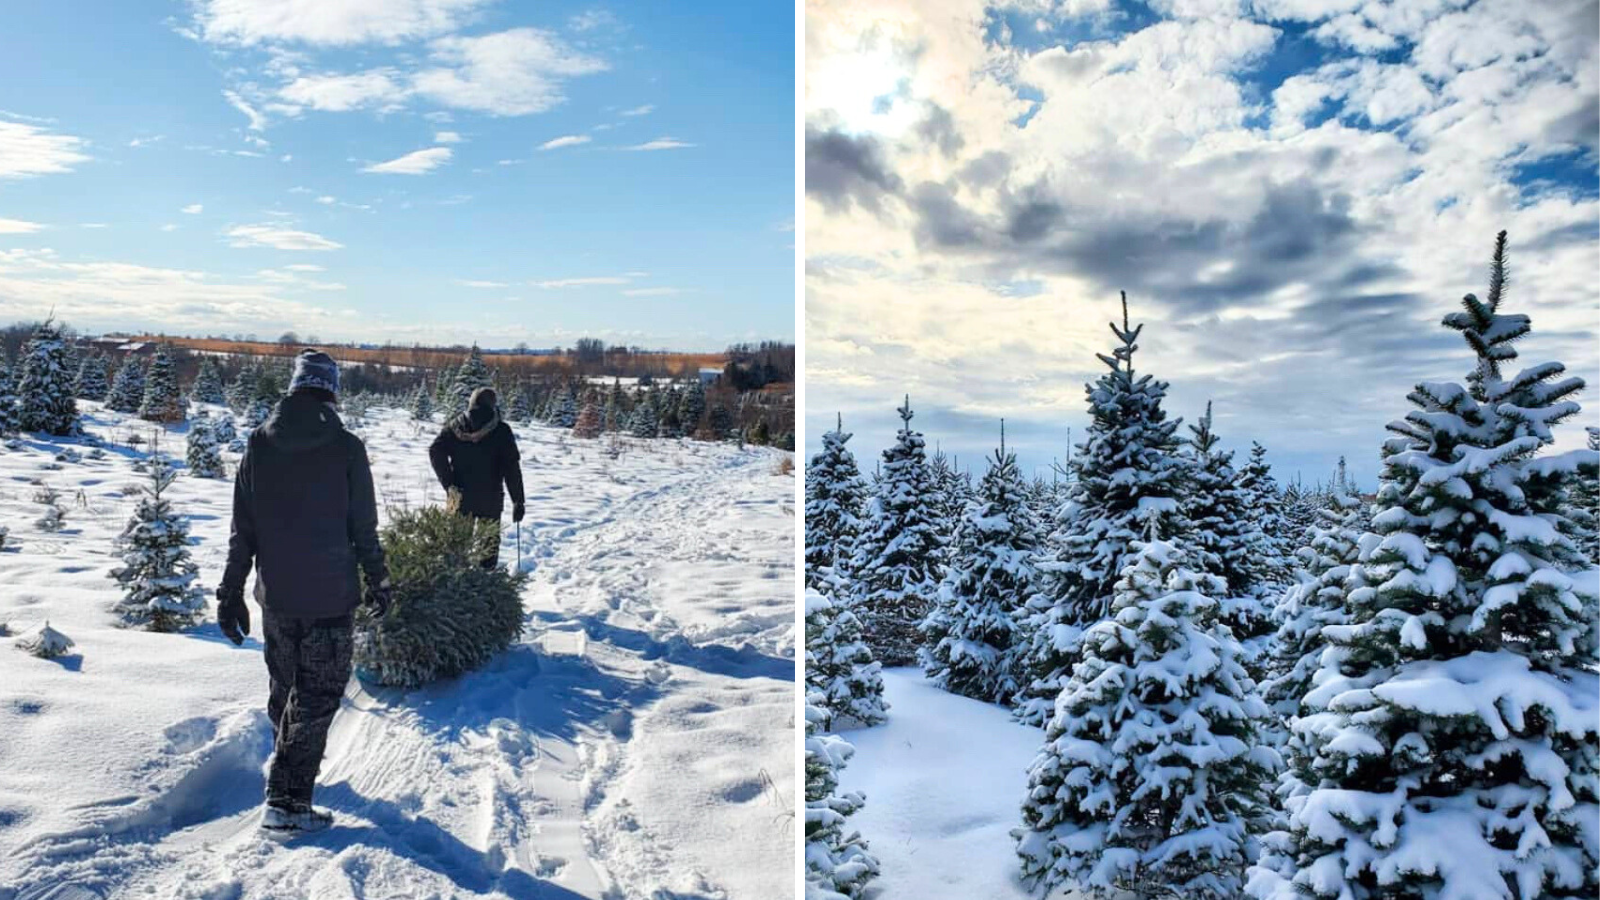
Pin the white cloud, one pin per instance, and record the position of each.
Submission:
(304, 267)
(169, 227)
(510, 73)
(278, 238)
(590, 20)
(661, 143)
(193, 209)
(581, 282)
(329, 22)
(17, 226)
(473, 283)
(146, 141)
(94, 225)
(446, 137)
(257, 120)
(644, 110)
(327, 200)
(652, 292)
(569, 140)
(378, 88)
(27, 150)
(417, 162)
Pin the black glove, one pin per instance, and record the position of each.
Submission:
(233, 616)
(517, 512)
(380, 598)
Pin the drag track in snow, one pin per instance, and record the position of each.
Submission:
(638, 742)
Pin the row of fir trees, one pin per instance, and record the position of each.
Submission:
(1245, 689)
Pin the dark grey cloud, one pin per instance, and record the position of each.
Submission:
(844, 168)
(939, 130)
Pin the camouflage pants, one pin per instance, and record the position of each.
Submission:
(308, 661)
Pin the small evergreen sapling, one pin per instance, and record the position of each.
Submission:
(160, 581)
(1148, 782)
(472, 374)
(207, 387)
(45, 642)
(422, 404)
(589, 423)
(837, 864)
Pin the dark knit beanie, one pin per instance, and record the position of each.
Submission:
(315, 369)
(483, 398)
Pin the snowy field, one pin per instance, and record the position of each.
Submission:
(638, 742)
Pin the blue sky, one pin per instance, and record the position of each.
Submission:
(1292, 192)
(429, 170)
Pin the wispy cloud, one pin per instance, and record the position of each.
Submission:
(447, 137)
(644, 110)
(193, 209)
(278, 238)
(566, 140)
(27, 150)
(661, 143)
(652, 292)
(581, 282)
(253, 23)
(169, 227)
(257, 120)
(417, 162)
(17, 226)
(146, 141)
(474, 283)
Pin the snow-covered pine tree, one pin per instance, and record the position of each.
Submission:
(1218, 539)
(1125, 469)
(422, 404)
(1149, 781)
(900, 552)
(835, 500)
(645, 419)
(720, 423)
(952, 492)
(203, 454)
(8, 400)
(838, 866)
(839, 666)
(1270, 562)
(472, 375)
(1300, 506)
(589, 423)
(222, 429)
(1583, 505)
(836, 859)
(163, 401)
(44, 642)
(692, 407)
(160, 583)
(443, 387)
(971, 634)
(521, 408)
(1454, 739)
(207, 387)
(92, 383)
(127, 389)
(616, 406)
(567, 407)
(44, 392)
(669, 426)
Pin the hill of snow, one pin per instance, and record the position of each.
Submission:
(638, 742)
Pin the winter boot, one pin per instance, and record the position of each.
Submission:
(294, 819)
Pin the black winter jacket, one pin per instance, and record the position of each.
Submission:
(476, 453)
(304, 514)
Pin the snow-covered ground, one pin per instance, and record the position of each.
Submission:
(944, 780)
(639, 742)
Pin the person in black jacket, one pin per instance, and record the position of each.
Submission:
(474, 456)
(305, 516)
